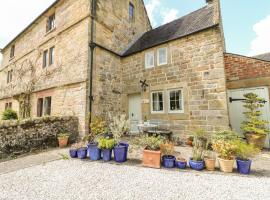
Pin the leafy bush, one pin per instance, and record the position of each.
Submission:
(225, 135)
(245, 151)
(167, 148)
(120, 125)
(254, 124)
(152, 143)
(225, 149)
(106, 143)
(63, 135)
(97, 127)
(9, 114)
(200, 143)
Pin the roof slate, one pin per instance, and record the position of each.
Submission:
(265, 56)
(196, 21)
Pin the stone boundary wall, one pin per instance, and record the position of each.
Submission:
(18, 137)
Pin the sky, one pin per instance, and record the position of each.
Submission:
(246, 22)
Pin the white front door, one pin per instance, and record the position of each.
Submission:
(135, 112)
(236, 108)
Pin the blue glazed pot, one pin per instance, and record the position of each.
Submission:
(126, 150)
(94, 152)
(82, 153)
(196, 165)
(168, 161)
(119, 152)
(243, 166)
(181, 164)
(73, 153)
(107, 154)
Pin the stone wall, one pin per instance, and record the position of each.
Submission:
(18, 137)
(196, 65)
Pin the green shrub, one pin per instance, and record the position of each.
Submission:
(106, 143)
(245, 151)
(225, 135)
(152, 143)
(63, 135)
(9, 114)
(200, 143)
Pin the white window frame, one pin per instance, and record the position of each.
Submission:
(157, 112)
(169, 101)
(158, 52)
(150, 53)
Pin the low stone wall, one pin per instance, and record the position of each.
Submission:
(18, 137)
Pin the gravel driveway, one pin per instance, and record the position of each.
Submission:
(75, 179)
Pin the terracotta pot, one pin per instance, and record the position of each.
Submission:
(62, 141)
(151, 158)
(210, 164)
(226, 165)
(256, 140)
(189, 143)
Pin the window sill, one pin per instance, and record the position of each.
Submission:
(10, 59)
(50, 31)
(157, 112)
(176, 112)
(162, 64)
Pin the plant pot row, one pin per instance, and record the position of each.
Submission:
(120, 152)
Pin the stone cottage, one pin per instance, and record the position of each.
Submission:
(101, 57)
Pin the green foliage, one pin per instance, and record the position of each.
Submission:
(200, 143)
(9, 114)
(97, 127)
(119, 125)
(167, 148)
(254, 124)
(245, 151)
(152, 142)
(63, 135)
(106, 143)
(225, 135)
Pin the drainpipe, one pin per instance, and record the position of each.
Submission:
(92, 46)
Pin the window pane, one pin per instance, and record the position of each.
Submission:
(176, 100)
(157, 101)
(162, 56)
(40, 107)
(131, 11)
(45, 55)
(51, 56)
(47, 106)
(149, 59)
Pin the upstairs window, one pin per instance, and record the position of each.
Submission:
(9, 76)
(131, 11)
(162, 56)
(51, 56)
(45, 57)
(157, 102)
(8, 105)
(149, 59)
(176, 101)
(51, 22)
(12, 51)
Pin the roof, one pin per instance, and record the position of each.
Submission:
(265, 56)
(194, 22)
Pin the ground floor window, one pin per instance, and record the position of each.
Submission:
(44, 106)
(176, 101)
(8, 105)
(157, 102)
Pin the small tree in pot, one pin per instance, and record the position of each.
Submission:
(244, 152)
(254, 128)
(224, 145)
(167, 150)
(106, 145)
(199, 145)
(151, 152)
(63, 139)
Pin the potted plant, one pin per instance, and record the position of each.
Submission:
(151, 152)
(244, 152)
(210, 160)
(181, 163)
(97, 127)
(190, 141)
(254, 128)
(106, 145)
(167, 150)
(73, 151)
(199, 145)
(119, 126)
(63, 139)
(82, 150)
(224, 145)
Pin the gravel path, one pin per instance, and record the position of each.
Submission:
(75, 179)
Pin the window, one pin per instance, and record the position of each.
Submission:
(157, 102)
(9, 76)
(176, 101)
(12, 51)
(47, 105)
(44, 106)
(162, 56)
(51, 56)
(149, 59)
(131, 11)
(8, 105)
(45, 56)
(51, 22)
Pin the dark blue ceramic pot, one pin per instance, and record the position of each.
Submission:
(126, 148)
(119, 152)
(243, 166)
(82, 153)
(196, 165)
(73, 153)
(181, 164)
(168, 161)
(94, 152)
(106, 154)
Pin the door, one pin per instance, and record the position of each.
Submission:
(236, 108)
(135, 113)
